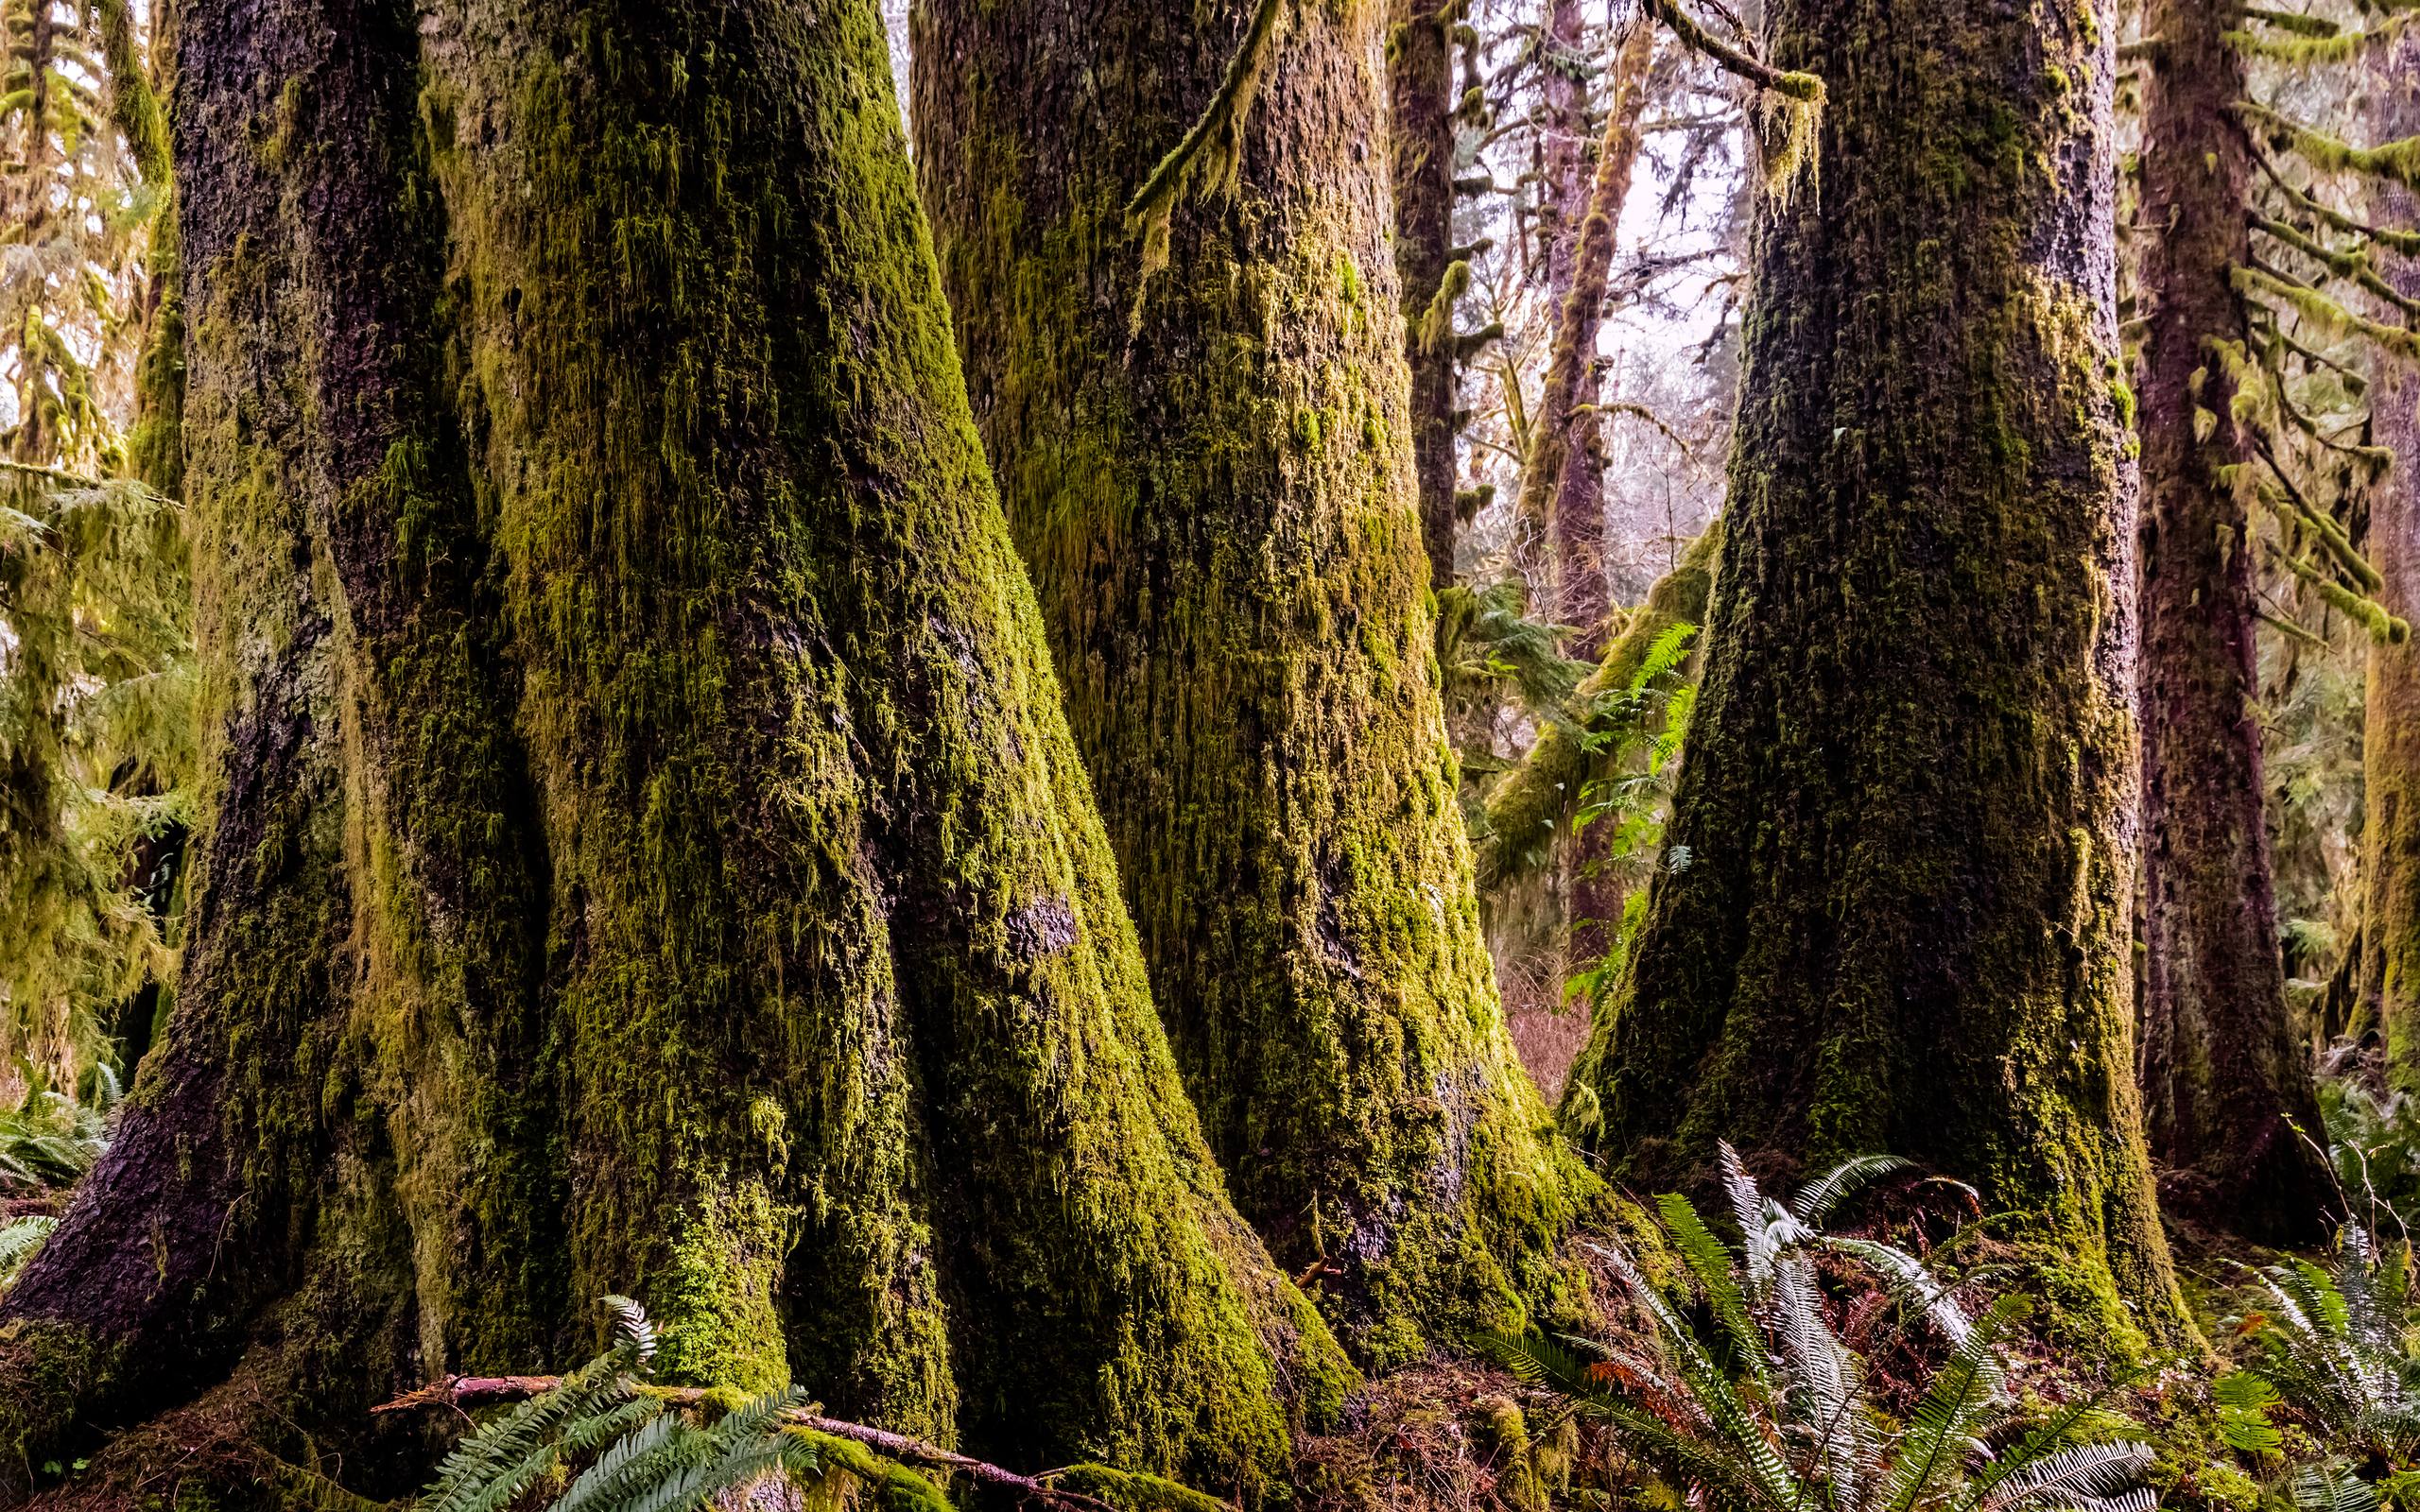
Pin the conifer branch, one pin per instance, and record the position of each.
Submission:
(2315, 306)
(2398, 161)
(2351, 266)
(2405, 242)
(1805, 88)
(1798, 96)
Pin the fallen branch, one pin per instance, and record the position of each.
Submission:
(457, 1391)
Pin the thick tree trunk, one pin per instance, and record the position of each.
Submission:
(1210, 474)
(1903, 925)
(2391, 731)
(1563, 478)
(2224, 1084)
(1420, 137)
(648, 850)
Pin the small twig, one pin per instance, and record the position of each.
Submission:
(455, 1391)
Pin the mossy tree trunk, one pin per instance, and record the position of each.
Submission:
(1420, 146)
(1904, 922)
(1209, 472)
(646, 849)
(1559, 178)
(1563, 480)
(2390, 975)
(2227, 1096)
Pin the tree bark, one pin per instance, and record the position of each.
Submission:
(646, 851)
(1420, 138)
(1209, 474)
(2228, 1102)
(2389, 978)
(1905, 807)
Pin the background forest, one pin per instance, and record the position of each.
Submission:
(1326, 753)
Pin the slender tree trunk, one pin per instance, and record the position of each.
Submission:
(2390, 991)
(1906, 804)
(2224, 1084)
(1562, 177)
(647, 852)
(1419, 100)
(1564, 139)
(1210, 475)
(1563, 478)
(155, 443)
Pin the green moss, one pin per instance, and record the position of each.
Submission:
(1233, 596)
(652, 854)
(1910, 746)
(1535, 802)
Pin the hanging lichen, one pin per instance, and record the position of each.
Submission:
(1210, 155)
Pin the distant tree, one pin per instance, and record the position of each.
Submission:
(2227, 1093)
(2390, 970)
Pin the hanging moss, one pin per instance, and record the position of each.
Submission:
(1239, 602)
(2398, 161)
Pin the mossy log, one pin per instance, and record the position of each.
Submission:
(1530, 809)
(646, 851)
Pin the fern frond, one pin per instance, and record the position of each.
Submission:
(491, 1468)
(1947, 1418)
(650, 1445)
(1537, 1360)
(1825, 1380)
(19, 1239)
(2243, 1399)
(1815, 1201)
(2089, 1477)
(1711, 1264)
(2330, 1485)
(631, 1322)
(1910, 1280)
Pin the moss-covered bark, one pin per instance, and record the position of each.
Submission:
(1209, 472)
(648, 850)
(2224, 1084)
(1419, 147)
(2390, 976)
(1906, 801)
